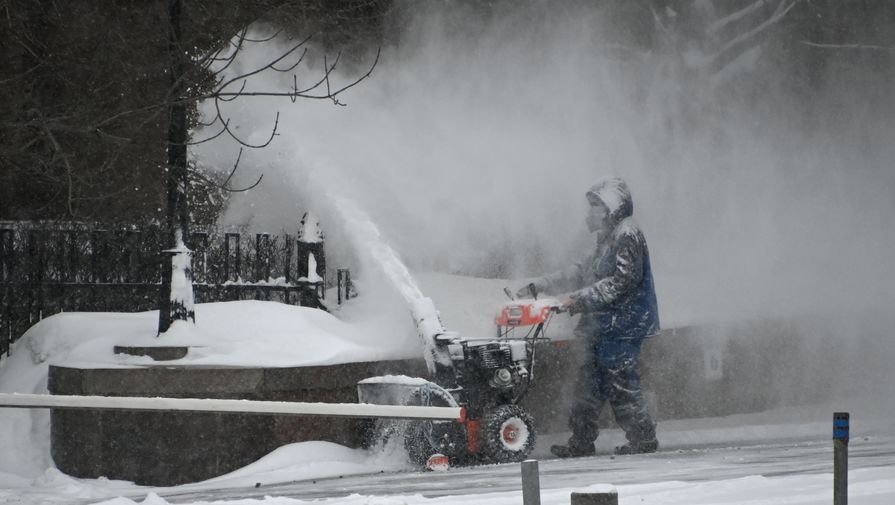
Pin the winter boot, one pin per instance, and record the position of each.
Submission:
(640, 447)
(573, 450)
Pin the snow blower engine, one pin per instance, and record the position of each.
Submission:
(486, 377)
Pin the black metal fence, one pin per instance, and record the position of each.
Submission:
(51, 268)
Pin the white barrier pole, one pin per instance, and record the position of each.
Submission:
(363, 410)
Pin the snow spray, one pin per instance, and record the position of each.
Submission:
(366, 237)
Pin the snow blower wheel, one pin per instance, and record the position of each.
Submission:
(508, 434)
(422, 439)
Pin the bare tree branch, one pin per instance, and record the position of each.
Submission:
(781, 11)
(206, 63)
(299, 93)
(226, 125)
(209, 139)
(270, 64)
(740, 14)
(22, 75)
(868, 47)
(237, 94)
(225, 186)
(264, 39)
(68, 169)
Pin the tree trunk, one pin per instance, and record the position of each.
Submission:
(176, 296)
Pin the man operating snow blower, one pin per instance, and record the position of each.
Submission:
(614, 293)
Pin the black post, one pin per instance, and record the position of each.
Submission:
(199, 245)
(97, 252)
(347, 284)
(74, 270)
(231, 269)
(6, 254)
(38, 272)
(287, 267)
(176, 304)
(262, 264)
(840, 458)
(262, 257)
(130, 255)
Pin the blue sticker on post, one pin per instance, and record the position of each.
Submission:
(840, 426)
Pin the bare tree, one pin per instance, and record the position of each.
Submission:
(176, 294)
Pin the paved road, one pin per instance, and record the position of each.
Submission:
(687, 464)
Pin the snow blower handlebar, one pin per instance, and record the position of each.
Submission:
(526, 291)
(527, 312)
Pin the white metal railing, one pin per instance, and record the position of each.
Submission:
(362, 410)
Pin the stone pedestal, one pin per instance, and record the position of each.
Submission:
(169, 448)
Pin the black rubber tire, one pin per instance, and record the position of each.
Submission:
(416, 443)
(425, 438)
(508, 434)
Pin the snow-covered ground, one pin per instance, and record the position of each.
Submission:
(763, 461)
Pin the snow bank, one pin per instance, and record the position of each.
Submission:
(307, 460)
(244, 333)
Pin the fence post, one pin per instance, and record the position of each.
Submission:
(840, 458)
(308, 245)
(343, 284)
(287, 267)
(35, 276)
(72, 245)
(6, 254)
(97, 275)
(262, 256)
(347, 284)
(228, 237)
(531, 483)
(310, 241)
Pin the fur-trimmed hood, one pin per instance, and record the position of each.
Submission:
(613, 192)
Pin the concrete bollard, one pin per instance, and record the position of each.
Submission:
(599, 495)
(531, 483)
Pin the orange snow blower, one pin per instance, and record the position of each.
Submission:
(486, 377)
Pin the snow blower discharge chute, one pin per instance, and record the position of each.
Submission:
(487, 377)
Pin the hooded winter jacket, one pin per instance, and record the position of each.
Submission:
(613, 284)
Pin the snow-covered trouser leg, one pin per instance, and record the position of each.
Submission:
(588, 402)
(627, 401)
